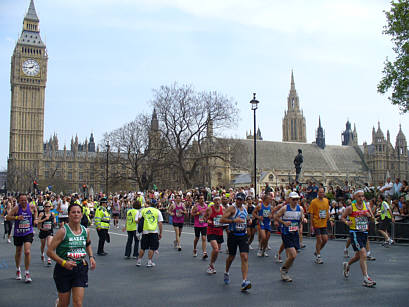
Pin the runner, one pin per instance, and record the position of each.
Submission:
(102, 219)
(236, 216)
(151, 234)
(263, 213)
(68, 249)
(358, 214)
(290, 218)
(62, 209)
(8, 225)
(46, 223)
(214, 231)
(198, 211)
(386, 219)
(23, 234)
(319, 210)
(177, 210)
(251, 227)
(116, 208)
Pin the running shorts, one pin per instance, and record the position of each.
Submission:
(44, 234)
(233, 241)
(291, 240)
(19, 241)
(150, 241)
(180, 225)
(65, 279)
(358, 240)
(321, 231)
(217, 238)
(200, 231)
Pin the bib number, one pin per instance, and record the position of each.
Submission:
(216, 221)
(323, 214)
(201, 218)
(76, 254)
(47, 225)
(361, 223)
(24, 224)
(241, 226)
(293, 227)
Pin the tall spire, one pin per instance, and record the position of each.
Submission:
(292, 80)
(31, 13)
(319, 121)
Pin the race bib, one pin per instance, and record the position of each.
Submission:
(201, 218)
(47, 225)
(24, 224)
(76, 254)
(178, 213)
(241, 226)
(216, 221)
(293, 227)
(323, 214)
(361, 223)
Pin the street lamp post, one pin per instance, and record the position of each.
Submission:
(254, 104)
(107, 168)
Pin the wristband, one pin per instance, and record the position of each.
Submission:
(16, 217)
(63, 263)
(92, 256)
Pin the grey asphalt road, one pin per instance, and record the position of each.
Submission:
(180, 280)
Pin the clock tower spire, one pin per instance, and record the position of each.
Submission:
(28, 79)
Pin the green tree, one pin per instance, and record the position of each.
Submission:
(396, 73)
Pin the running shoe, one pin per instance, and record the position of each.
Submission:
(226, 278)
(345, 269)
(245, 285)
(346, 255)
(277, 258)
(211, 270)
(303, 246)
(139, 262)
(156, 253)
(27, 278)
(265, 254)
(260, 253)
(205, 256)
(370, 279)
(18, 275)
(42, 257)
(195, 253)
(56, 302)
(368, 282)
(370, 258)
(250, 247)
(268, 247)
(48, 261)
(318, 260)
(8, 241)
(284, 275)
(150, 264)
(134, 257)
(179, 248)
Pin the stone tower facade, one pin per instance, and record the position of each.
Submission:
(349, 137)
(294, 128)
(28, 79)
(320, 136)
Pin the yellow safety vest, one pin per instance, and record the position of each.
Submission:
(130, 219)
(150, 216)
(102, 218)
(384, 211)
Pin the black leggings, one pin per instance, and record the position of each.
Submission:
(8, 225)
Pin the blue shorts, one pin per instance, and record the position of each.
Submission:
(358, 240)
(265, 226)
(291, 240)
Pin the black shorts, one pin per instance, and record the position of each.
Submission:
(65, 279)
(385, 225)
(200, 231)
(213, 237)
(115, 214)
(321, 231)
(150, 241)
(234, 241)
(19, 241)
(45, 233)
(358, 240)
(63, 219)
(253, 224)
(291, 240)
(180, 225)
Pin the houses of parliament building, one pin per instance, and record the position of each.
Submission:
(83, 163)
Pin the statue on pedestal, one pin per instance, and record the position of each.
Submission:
(298, 160)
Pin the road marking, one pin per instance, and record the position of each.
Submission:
(125, 235)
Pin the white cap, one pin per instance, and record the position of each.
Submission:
(293, 195)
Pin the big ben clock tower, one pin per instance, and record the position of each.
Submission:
(28, 80)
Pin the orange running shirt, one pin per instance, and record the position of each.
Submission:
(319, 209)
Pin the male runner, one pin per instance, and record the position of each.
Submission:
(358, 214)
(290, 218)
(236, 216)
(263, 213)
(319, 210)
(214, 231)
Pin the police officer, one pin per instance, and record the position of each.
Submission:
(102, 219)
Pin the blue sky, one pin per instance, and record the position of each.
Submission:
(106, 56)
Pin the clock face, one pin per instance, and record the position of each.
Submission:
(31, 67)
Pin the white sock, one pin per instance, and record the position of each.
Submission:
(27, 272)
(18, 269)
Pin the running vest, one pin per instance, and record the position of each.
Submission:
(199, 219)
(293, 216)
(239, 229)
(73, 247)
(115, 208)
(359, 218)
(48, 224)
(178, 214)
(384, 212)
(214, 225)
(265, 213)
(130, 220)
(150, 216)
(25, 226)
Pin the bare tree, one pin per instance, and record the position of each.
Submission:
(188, 120)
